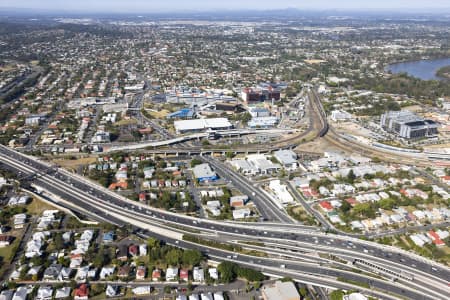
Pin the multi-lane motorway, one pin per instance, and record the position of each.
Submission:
(430, 279)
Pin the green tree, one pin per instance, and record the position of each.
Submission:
(351, 177)
(228, 271)
(173, 257)
(345, 207)
(195, 162)
(192, 257)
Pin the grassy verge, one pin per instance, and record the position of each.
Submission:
(354, 282)
(223, 246)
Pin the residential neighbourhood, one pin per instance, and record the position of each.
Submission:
(224, 150)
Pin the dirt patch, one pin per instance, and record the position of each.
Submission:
(159, 114)
(74, 164)
(36, 207)
(317, 146)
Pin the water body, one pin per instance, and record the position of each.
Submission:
(424, 69)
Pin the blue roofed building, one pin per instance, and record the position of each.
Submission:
(185, 113)
(108, 237)
(204, 173)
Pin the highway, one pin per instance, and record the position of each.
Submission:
(113, 208)
(268, 210)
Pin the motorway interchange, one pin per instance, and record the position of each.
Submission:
(301, 252)
(293, 250)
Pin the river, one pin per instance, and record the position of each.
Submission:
(424, 69)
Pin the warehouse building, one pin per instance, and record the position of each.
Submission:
(287, 158)
(263, 122)
(204, 173)
(197, 125)
(407, 125)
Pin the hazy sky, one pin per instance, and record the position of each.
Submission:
(148, 6)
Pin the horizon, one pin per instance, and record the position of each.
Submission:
(202, 6)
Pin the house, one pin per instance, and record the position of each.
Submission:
(82, 273)
(280, 193)
(133, 250)
(184, 275)
(19, 221)
(213, 273)
(241, 213)
(280, 290)
(171, 273)
(82, 292)
(92, 273)
(142, 250)
(63, 293)
(156, 275)
(44, 293)
(3, 229)
(5, 240)
(112, 291)
(124, 271)
(52, 272)
(435, 238)
(122, 253)
(207, 296)
(67, 236)
(33, 271)
(198, 274)
(76, 259)
(65, 274)
(142, 290)
(141, 272)
(6, 294)
(108, 237)
(21, 293)
(326, 206)
(106, 272)
(238, 201)
(218, 296)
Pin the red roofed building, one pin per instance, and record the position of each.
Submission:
(142, 197)
(184, 275)
(145, 130)
(156, 275)
(445, 179)
(326, 206)
(140, 273)
(436, 239)
(5, 240)
(351, 201)
(133, 250)
(81, 293)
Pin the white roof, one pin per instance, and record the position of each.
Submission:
(44, 292)
(199, 124)
(21, 293)
(286, 157)
(281, 290)
(142, 290)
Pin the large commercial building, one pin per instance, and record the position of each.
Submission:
(196, 97)
(204, 173)
(253, 95)
(197, 125)
(408, 125)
